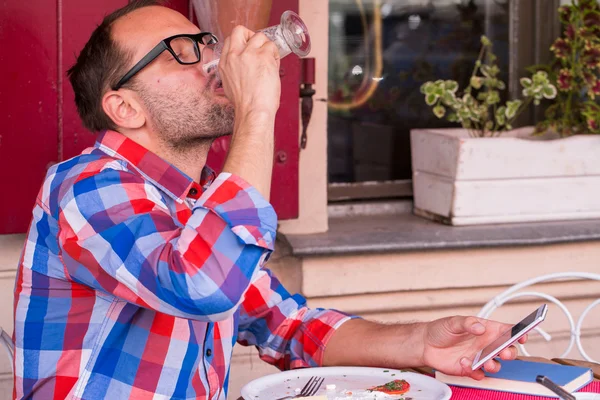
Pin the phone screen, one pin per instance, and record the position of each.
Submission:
(508, 336)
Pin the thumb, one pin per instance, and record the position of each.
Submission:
(459, 325)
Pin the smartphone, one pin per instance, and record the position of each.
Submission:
(510, 336)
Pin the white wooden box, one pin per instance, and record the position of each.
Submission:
(461, 180)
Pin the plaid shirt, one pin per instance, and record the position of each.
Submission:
(136, 282)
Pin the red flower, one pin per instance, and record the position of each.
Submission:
(592, 20)
(593, 124)
(565, 14)
(595, 89)
(591, 56)
(589, 78)
(561, 48)
(585, 5)
(565, 79)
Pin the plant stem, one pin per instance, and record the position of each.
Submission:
(476, 68)
(567, 119)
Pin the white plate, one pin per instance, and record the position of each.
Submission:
(587, 396)
(354, 379)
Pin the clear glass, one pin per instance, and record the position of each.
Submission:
(290, 36)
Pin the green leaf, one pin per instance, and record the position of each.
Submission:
(512, 107)
(451, 86)
(485, 41)
(452, 117)
(528, 92)
(549, 91)
(431, 99)
(476, 82)
(526, 82)
(493, 97)
(449, 98)
(468, 99)
(464, 114)
(501, 115)
(485, 70)
(439, 111)
(477, 114)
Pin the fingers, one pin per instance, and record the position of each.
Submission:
(243, 39)
(466, 370)
(240, 36)
(491, 366)
(257, 41)
(523, 339)
(510, 353)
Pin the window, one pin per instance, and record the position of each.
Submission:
(382, 51)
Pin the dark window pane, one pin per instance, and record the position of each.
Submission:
(380, 53)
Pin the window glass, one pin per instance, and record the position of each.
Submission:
(380, 53)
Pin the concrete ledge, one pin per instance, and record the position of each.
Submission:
(407, 232)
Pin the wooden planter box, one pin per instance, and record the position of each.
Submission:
(460, 180)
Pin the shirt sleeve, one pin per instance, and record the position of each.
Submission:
(117, 235)
(286, 332)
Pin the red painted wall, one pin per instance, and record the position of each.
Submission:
(39, 124)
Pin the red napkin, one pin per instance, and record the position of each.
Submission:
(463, 393)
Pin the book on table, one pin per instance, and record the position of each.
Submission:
(518, 376)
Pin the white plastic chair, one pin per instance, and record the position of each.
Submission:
(514, 292)
(7, 343)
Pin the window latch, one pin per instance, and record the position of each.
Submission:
(306, 94)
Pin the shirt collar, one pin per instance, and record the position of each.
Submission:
(160, 172)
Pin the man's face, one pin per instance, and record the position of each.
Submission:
(183, 106)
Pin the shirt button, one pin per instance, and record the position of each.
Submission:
(208, 352)
(193, 192)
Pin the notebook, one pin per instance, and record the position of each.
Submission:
(519, 377)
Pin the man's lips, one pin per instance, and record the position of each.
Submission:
(215, 84)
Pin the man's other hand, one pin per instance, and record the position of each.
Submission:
(450, 344)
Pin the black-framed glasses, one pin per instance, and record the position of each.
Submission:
(184, 49)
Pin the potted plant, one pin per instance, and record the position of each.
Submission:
(576, 72)
(488, 172)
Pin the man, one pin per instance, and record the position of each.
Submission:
(142, 268)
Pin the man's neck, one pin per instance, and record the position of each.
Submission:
(190, 159)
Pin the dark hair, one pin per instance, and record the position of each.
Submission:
(99, 66)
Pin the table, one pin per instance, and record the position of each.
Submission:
(566, 361)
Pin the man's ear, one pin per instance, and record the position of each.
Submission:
(123, 109)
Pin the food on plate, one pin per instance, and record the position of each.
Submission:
(398, 386)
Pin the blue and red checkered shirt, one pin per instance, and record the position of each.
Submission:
(136, 282)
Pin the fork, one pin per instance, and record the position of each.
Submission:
(312, 386)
